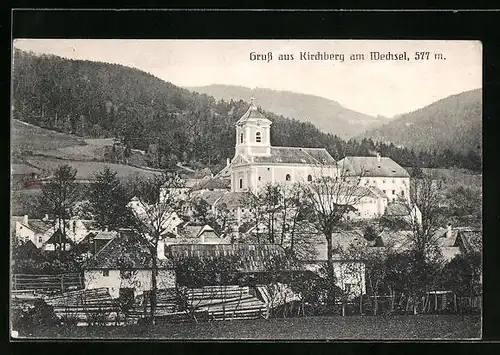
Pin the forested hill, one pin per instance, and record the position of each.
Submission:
(451, 123)
(93, 99)
(328, 115)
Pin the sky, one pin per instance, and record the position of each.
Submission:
(372, 87)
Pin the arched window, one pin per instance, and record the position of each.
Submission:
(258, 137)
(241, 138)
(309, 178)
(241, 183)
(288, 177)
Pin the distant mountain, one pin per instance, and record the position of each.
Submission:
(453, 123)
(329, 116)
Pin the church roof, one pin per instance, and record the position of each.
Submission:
(372, 167)
(252, 114)
(295, 155)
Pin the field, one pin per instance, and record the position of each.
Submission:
(353, 327)
(85, 169)
(32, 138)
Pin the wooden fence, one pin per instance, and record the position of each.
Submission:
(54, 283)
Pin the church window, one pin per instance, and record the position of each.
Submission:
(40, 240)
(268, 169)
(258, 137)
(241, 183)
(241, 138)
(393, 192)
(260, 178)
(288, 177)
(105, 272)
(403, 192)
(309, 178)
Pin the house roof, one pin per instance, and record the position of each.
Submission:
(212, 184)
(105, 235)
(253, 257)
(397, 240)
(472, 240)
(340, 241)
(209, 197)
(296, 155)
(58, 237)
(396, 209)
(234, 199)
(252, 114)
(38, 226)
(128, 251)
(371, 167)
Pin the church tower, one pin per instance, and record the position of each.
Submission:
(253, 134)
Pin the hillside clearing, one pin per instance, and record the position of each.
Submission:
(86, 169)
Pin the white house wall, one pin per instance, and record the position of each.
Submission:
(393, 187)
(140, 280)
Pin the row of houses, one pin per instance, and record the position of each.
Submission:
(123, 261)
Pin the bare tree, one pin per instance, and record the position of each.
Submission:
(156, 199)
(330, 199)
(59, 197)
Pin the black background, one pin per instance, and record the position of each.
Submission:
(226, 24)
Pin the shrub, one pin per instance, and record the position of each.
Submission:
(38, 317)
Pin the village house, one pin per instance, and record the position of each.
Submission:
(349, 268)
(368, 202)
(169, 224)
(257, 163)
(39, 231)
(124, 264)
(381, 172)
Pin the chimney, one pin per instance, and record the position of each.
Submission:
(25, 219)
(448, 231)
(228, 161)
(378, 157)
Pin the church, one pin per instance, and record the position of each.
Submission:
(257, 163)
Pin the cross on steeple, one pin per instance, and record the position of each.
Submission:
(252, 101)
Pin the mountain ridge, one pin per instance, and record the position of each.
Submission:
(454, 122)
(328, 115)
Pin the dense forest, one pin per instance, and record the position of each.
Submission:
(454, 122)
(93, 99)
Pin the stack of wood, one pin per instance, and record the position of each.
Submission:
(86, 306)
(276, 295)
(166, 304)
(23, 299)
(226, 302)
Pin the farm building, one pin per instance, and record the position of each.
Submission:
(124, 263)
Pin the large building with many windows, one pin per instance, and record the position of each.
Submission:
(257, 163)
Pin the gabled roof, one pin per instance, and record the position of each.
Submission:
(341, 241)
(105, 235)
(38, 226)
(253, 257)
(58, 237)
(128, 251)
(471, 240)
(252, 114)
(372, 167)
(396, 209)
(234, 199)
(296, 155)
(209, 197)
